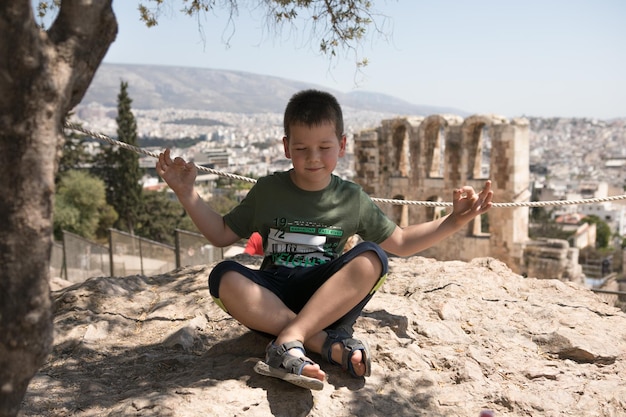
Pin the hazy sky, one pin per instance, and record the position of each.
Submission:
(534, 57)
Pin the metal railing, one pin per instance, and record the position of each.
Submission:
(193, 249)
(133, 255)
(75, 258)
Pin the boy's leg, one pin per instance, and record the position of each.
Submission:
(332, 301)
(335, 298)
(264, 311)
(253, 305)
(260, 309)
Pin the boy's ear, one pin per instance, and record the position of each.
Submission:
(286, 147)
(342, 145)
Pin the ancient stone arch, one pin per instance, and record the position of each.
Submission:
(426, 158)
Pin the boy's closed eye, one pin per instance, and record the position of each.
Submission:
(321, 148)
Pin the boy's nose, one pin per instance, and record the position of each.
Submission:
(313, 155)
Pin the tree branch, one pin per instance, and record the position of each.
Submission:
(81, 35)
(20, 56)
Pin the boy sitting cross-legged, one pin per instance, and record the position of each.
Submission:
(307, 293)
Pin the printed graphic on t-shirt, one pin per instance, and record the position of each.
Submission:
(303, 244)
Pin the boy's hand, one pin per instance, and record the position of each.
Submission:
(177, 173)
(466, 204)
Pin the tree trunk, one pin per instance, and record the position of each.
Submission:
(43, 75)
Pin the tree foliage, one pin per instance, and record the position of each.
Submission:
(119, 168)
(543, 225)
(80, 206)
(224, 202)
(160, 217)
(603, 231)
(338, 25)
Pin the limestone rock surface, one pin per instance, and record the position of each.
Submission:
(447, 338)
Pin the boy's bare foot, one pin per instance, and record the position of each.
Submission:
(357, 358)
(312, 371)
(357, 363)
(288, 362)
(353, 355)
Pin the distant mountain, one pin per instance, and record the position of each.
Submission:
(154, 87)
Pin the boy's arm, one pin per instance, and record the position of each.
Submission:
(466, 203)
(180, 176)
(210, 223)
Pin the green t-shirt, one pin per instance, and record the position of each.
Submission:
(306, 228)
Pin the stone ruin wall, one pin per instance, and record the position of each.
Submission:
(553, 258)
(425, 158)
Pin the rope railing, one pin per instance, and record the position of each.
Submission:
(155, 155)
(99, 136)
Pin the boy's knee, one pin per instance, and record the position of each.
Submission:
(379, 259)
(216, 275)
(220, 278)
(232, 281)
(375, 253)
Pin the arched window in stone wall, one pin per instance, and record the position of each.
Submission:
(480, 225)
(435, 135)
(435, 138)
(434, 213)
(400, 147)
(485, 156)
(477, 151)
(400, 212)
(477, 148)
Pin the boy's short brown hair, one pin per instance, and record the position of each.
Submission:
(313, 107)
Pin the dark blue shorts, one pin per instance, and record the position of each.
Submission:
(295, 286)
